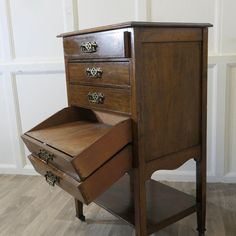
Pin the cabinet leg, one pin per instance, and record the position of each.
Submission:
(201, 196)
(79, 210)
(140, 202)
(131, 179)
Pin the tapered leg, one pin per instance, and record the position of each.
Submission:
(79, 210)
(201, 162)
(131, 177)
(201, 195)
(140, 202)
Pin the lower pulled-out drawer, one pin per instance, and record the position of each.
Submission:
(89, 189)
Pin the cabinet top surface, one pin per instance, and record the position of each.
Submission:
(137, 24)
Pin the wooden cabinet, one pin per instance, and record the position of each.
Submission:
(136, 104)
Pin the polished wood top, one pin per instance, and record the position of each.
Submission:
(136, 24)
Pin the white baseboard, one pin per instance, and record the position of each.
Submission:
(168, 175)
(189, 176)
(6, 168)
(12, 169)
(230, 178)
(179, 176)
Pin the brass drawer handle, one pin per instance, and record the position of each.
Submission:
(51, 178)
(97, 98)
(94, 72)
(43, 154)
(89, 47)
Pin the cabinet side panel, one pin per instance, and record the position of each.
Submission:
(170, 111)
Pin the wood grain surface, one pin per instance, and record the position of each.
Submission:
(171, 120)
(113, 73)
(89, 189)
(112, 44)
(137, 24)
(76, 146)
(115, 99)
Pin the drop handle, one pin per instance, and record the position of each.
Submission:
(94, 72)
(89, 47)
(43, 154)
(96, 97)
(51, 178)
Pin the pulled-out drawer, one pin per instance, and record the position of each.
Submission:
(108, 44)
(78, 141)
(99, 73)
(95, 184)
(110, 99)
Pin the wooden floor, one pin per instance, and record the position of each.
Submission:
(29, 206)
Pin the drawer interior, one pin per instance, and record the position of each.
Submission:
(83, 138)
(71, 138)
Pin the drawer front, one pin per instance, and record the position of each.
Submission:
(51, 155)
(103, 73)
(109, 44)
(102, 98)
(94, 185)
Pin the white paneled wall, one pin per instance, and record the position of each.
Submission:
(48, 97)
(230, 154)
(34, 27)
(6, 156)
(185, 11)
(104, 12)
(32, 81)
(228, 34)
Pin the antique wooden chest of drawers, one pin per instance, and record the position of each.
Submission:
(136, 104)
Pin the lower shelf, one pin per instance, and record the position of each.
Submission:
(165, 205)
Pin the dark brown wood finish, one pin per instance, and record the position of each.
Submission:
(79, 210)
(201, 163)
(111, 44)
(150, 90)
(138, 178)
(171, 87)
(134, 24)
(116, 100)
(113, 74)
(74, 142)
(60, 160)
(172, 161)
(93, 186)
(159, 198)
(169, 35)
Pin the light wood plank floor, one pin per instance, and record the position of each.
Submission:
(29, 206)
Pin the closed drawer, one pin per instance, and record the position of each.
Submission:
(94, 185)
(100, 98)
(109, 44)
(99, 73)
